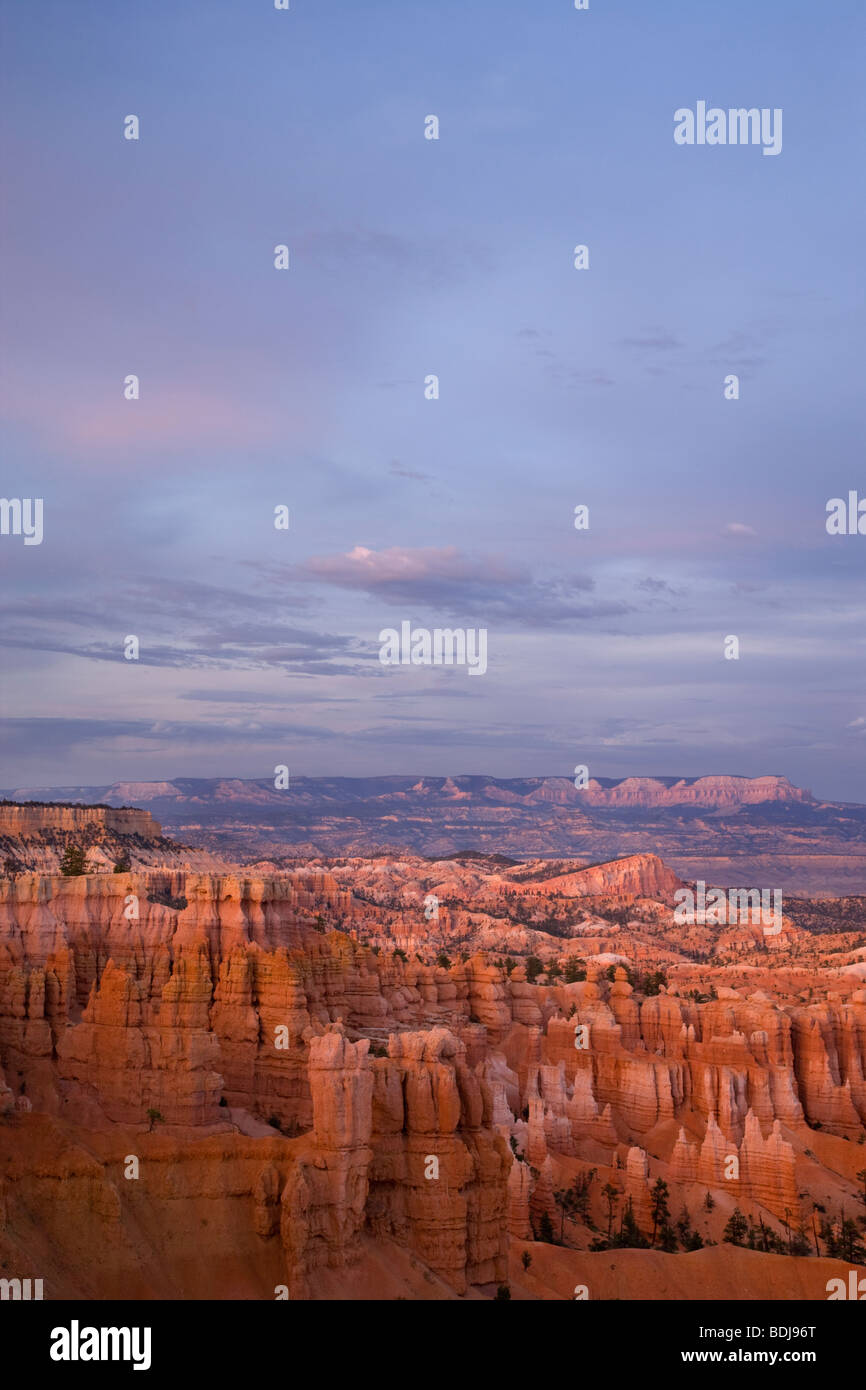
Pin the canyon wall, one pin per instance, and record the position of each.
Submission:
(426, 1107)
(30, 819)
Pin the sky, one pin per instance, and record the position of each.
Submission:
(305, 388)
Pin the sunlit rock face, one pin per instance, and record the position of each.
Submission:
(330, 1087)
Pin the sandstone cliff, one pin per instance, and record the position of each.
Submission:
(358, 1097)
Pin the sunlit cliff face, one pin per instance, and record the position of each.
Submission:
(322, 1071)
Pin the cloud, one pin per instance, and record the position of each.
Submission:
(487, 589)
(661, 593)
(414, 732)
(656, 586)
(742, 348)
(582, 376)
(560, 372)
(654, 340)
(400, 472)
(180, 624)
(168, 416)
(403, 567)
(738, 528)
(262, 697)
(52, 735)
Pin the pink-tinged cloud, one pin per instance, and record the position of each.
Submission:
(372, 569)
(484, 588)
(174, 418)
(739, 528)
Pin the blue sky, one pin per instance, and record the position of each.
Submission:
(305, 387)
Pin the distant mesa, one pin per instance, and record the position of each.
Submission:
(711, 791)
(695, 791)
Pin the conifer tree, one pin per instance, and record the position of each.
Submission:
(74, 862)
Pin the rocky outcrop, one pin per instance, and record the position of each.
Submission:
(637, 875)
(391, 1100)
(324, 1200)
(440, 1172)
(28, 818)
(830, 1061)
(136, 1058)
(36, 839)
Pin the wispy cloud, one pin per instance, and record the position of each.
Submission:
(480, 588)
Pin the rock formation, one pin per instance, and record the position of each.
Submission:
(363, 1099)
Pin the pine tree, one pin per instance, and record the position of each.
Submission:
(667, 1237)
(630, 1234)
(737, 1228)
(575, 970)
(74, 862)
(828, 1235)
(684, 1225)
(545, 1229)
(660, 1209)
(850, 1246)
(611, 1196)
